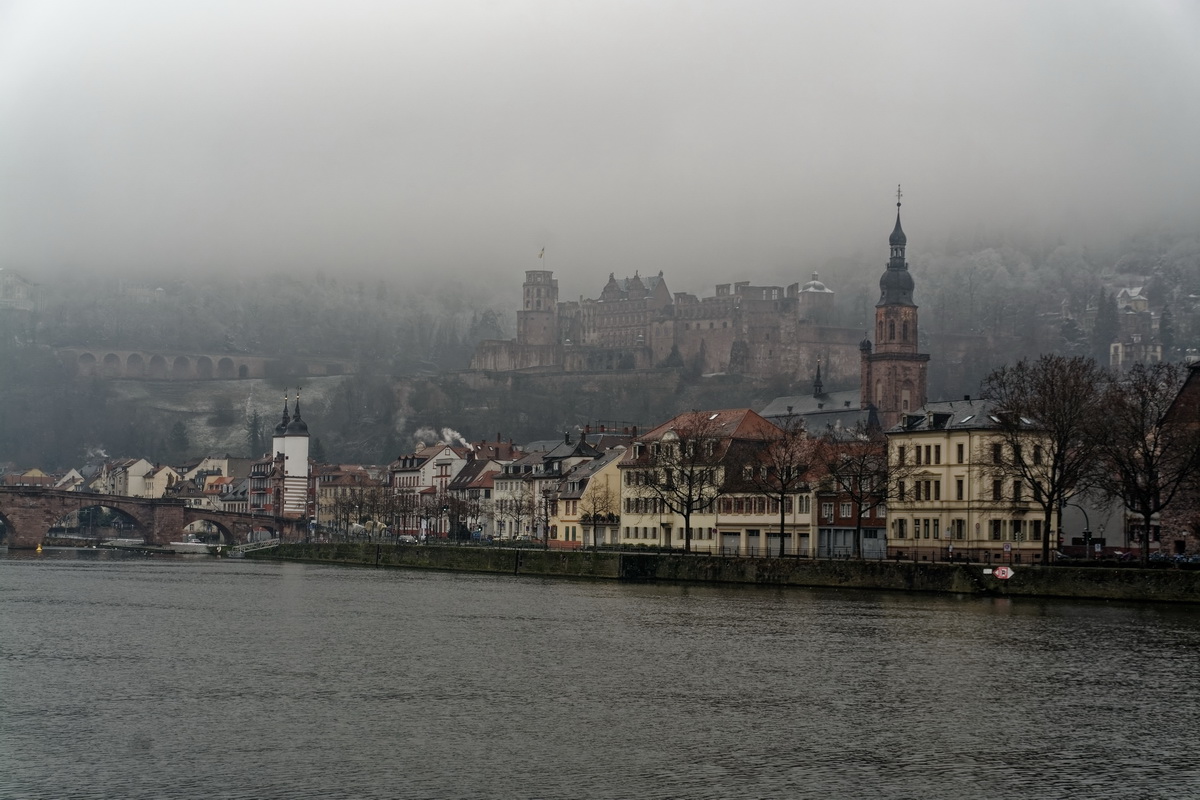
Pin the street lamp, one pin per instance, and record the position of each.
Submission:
(1087, 522)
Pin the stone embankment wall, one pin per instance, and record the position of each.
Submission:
(1157, 585)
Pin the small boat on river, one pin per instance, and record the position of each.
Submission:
(191, 545)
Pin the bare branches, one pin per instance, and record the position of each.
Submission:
(1145, 457)
(599, 505)
(856, 464)
(782, 468)
(681, 472)
(1047, 413)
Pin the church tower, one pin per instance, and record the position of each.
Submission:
(537, 321)
(893, 377)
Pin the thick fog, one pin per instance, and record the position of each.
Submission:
(714, 140)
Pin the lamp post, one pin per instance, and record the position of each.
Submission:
(1087, 531)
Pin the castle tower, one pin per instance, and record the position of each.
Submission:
(537, 321)
(894, 375)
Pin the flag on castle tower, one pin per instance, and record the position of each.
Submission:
(542, 253)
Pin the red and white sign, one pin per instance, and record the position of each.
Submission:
(1003, 573)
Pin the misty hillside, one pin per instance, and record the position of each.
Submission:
(405, 344)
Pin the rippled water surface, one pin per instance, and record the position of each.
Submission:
(198, 678)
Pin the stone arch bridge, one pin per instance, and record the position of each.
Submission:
(29, 513)
(87, 362)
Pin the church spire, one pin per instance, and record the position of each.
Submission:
(896, 284)
(818, 387)
(898, 240)
(281, 428)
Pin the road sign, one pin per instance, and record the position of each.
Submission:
(1003, 573)
(1008, 547)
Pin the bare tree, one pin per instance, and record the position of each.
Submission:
(405, 505)
(598, 505)
(856, 463)
(682, 472)
(781, 469)
(516, 510)
(1146, 457)
(1046, 413)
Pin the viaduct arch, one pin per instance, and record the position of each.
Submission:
(86, 362)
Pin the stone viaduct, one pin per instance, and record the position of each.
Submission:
(29, 513)
(158, 366)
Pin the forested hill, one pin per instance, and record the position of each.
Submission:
(370, 322)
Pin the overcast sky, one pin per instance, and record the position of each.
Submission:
(711, 140)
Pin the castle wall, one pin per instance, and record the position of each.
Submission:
(505, 356)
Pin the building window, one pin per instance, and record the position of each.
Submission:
(900, 490)
(997, 453)
(1017, 534)
(928, 449)
(847, 509)
(958, 488)
(1016, 491)
(937, 490)
(1037, 454)
(937, 454)
(827, 510)
(901, 532)
(937, 532)
(996, 530)
(1035, 532)
(917, 455)
(960, 454)
(924, 529)
(997, 490)
(960, 528)
(901, 454)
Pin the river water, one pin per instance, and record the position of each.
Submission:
(176, 677)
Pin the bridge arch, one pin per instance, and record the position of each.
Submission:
(225, 368)
(204, 368)
(158, 367)
(111, 366)
(86, 364)
(181, 367)
(87, 520)
(243, 371)
(28, 514)
(135, 366)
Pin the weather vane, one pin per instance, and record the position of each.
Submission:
(898, 195)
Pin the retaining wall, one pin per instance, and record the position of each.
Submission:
(1157, 585)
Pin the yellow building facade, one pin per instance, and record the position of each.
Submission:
(950, 499)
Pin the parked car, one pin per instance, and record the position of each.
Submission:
(406, 538)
